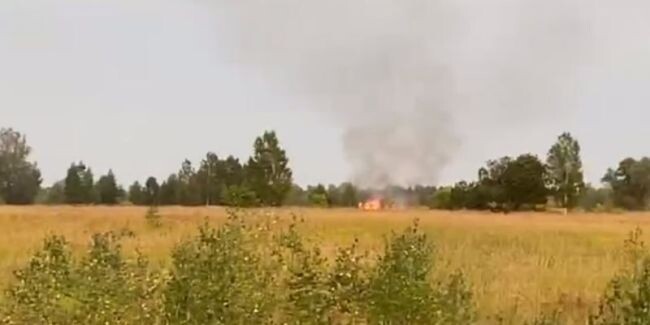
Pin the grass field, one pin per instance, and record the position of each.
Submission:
(518, 264)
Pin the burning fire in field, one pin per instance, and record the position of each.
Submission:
(374, 204)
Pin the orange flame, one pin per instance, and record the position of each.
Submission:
(372, 205)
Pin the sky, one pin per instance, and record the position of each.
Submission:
(137, 86)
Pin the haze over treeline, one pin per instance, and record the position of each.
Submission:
(405, 77)
(417, 91)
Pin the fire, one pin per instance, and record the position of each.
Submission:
(375, 204)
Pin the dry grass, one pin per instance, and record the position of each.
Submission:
(517, 264)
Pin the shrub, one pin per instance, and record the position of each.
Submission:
(102, 288)
(348, 282)
(36, 295)
(400, 290)
(627, 298)
(220, 277)
(240, 196)
(308, 300)
(442, 199)
(243, 272)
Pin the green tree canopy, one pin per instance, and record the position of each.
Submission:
(564, 170)
(630, 183)
(317, 196)
(136, 194)
(523, 182)
(20, 179)
(79, 184)
(268, 172)
(349, 195)
(151, 191)
(108, 191)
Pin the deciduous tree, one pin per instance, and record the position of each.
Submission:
(268, 172)
(523, 182)
(20, 179)
(564, 167)
(630, 183)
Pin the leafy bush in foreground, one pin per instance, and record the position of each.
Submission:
(242, 272)
(220, 277)
(102, 288)
(400, 290)
(627, 299)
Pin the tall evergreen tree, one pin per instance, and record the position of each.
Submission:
(210, 179)
(79, 185)
(268, 172)
(190, 185)
(108, 191)
(137, 194)
(151, 191)
(88, 183)
(349, 195)
(20, 179)
(170, 191)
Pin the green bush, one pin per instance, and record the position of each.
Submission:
(36, 297)
(220, 277)
(240, 196)
(102, 288)
(400, 290)
(247, 271)
(627, 298)
(308, 300)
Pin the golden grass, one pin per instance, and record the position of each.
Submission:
(520, 263)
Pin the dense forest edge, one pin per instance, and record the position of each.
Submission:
(265, 179)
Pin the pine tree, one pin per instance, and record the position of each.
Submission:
(107, 190)
(268, 172)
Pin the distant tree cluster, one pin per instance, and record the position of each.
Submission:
(630, 183)
(505, 184)
(266, 179)
(80, 187)
(524, 182)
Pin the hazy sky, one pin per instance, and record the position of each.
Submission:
(140, 85)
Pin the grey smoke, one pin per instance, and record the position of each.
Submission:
(398, 74)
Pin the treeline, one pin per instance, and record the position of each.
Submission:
(525, 182)
(266, 179)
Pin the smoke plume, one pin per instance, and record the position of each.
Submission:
(398, 74)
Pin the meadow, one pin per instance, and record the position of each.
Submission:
(518, 265)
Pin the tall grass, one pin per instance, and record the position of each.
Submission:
(518, 266)
(241, 272)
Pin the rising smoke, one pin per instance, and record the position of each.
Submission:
(397, 74)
